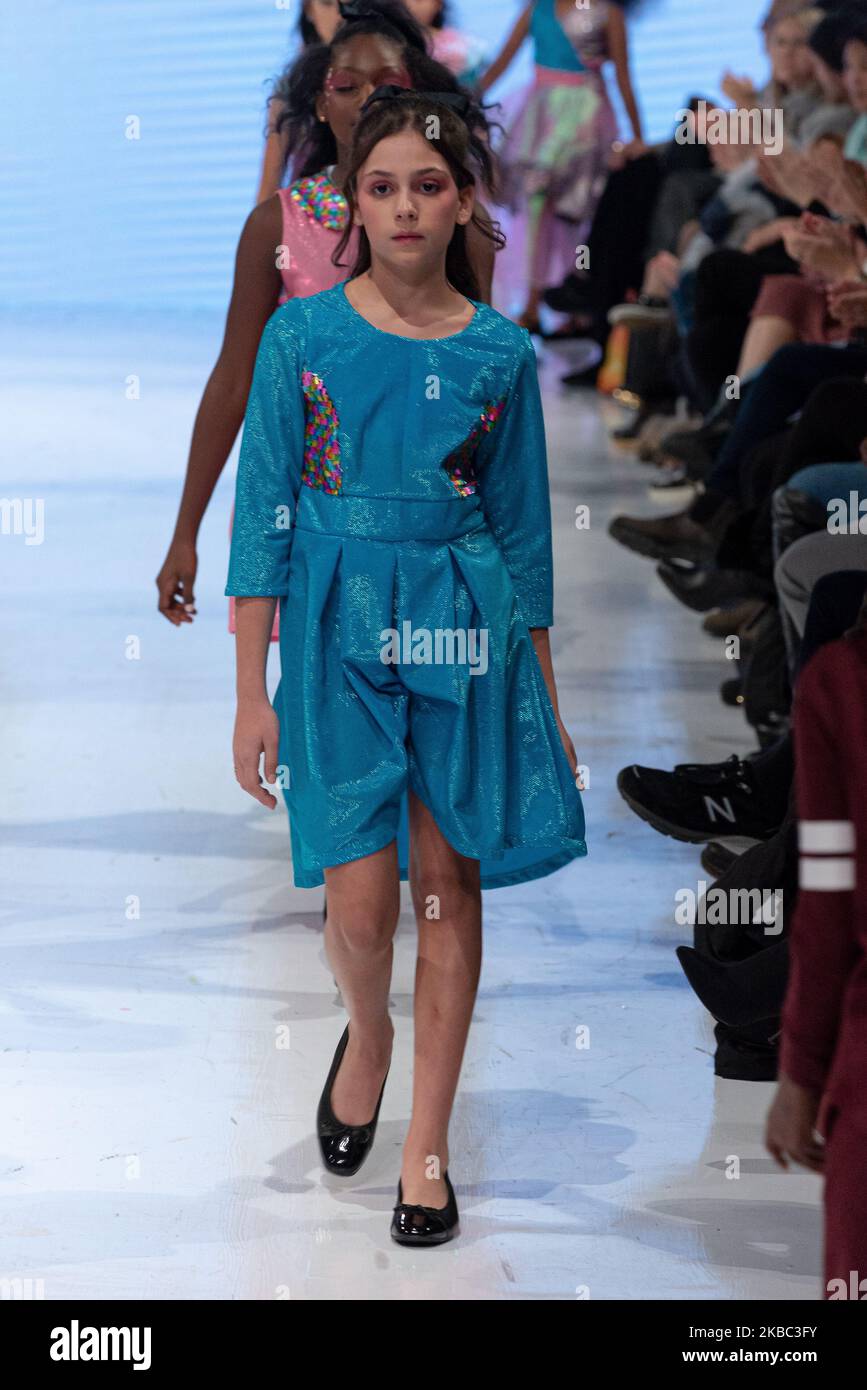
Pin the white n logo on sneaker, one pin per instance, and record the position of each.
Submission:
(717, 810)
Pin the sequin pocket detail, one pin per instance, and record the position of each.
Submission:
(321, 445)
(460, 464)
(321, 200)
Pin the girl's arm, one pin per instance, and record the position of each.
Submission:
(510, 47)
(619, 48)
(254, 297)
(266, 492)
(274, 158)
(513, 471)
(257, 729)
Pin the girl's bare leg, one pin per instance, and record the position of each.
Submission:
(363, 908)
(447, 976)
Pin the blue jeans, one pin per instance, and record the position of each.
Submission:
(779, 390)
(824, 481)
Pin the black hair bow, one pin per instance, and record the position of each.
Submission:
(358, 9)
(456, 101)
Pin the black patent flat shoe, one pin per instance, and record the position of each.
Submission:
(343, 1147)
(417, 1225)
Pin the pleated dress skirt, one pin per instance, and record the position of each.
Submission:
(458, 711)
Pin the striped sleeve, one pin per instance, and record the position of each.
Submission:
(823, 947)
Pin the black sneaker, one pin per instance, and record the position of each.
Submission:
(701, 587)
(696, 449)
(665, 537)
(698, 802)
(572, 297)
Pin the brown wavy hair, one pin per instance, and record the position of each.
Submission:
(457, 144)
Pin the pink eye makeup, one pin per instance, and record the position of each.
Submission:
(348, 80)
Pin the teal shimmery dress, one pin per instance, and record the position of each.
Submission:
(393, 492)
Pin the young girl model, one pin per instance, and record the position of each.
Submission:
(323, 95)
(460, 52)
(318, 21)
(556, 154)
(392, 493)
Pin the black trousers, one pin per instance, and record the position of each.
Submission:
(829, 429)
(749, 1052)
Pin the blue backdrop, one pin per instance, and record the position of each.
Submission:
(94, 218)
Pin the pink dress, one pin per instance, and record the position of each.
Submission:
(559, 131)
(313, 217)
(463, 54)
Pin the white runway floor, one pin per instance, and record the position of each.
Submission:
(169, 1015)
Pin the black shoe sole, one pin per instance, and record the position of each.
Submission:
(679, 832)
(674, 832)
(654, 549)
(418, 1241)
(708, 595)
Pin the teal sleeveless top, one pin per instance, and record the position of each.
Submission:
(553, 48)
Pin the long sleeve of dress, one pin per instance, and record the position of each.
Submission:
(823, 946)
(270, 463)
(513, 468)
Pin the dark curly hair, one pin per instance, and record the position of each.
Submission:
(456, 143)
(296, 89)
(311, 143)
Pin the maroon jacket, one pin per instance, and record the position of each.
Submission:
(824, 1037)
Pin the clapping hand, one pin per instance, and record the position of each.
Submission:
(823, 246)
(740, 90)
(848, 193)
(790, 174)
(847, 303)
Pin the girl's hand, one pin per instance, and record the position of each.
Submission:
(616, 158)
(789, 1130)
(175, 583)
(257, 731)
(635, 148)
(568, 746)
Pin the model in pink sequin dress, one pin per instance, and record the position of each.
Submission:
(314, 211)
